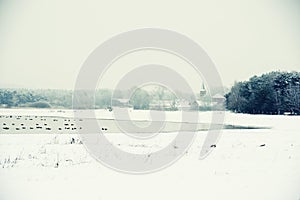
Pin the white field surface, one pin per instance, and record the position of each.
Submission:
(237, 169)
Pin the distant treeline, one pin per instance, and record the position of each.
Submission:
(271, 93)
(138, 98)
(35, 98)
(49, 98)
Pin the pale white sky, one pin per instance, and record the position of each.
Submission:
(44, 43)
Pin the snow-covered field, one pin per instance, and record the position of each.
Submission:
(53, 164)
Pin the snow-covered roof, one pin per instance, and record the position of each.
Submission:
(218, 96)
(122, 100)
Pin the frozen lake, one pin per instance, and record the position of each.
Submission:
(246, 163)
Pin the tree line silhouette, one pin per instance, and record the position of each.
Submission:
(271, 93)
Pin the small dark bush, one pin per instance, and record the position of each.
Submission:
(40, 105)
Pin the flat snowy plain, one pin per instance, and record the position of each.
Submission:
(260, 164)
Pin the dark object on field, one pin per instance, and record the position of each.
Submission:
(59, 128)
(5, 128)
(31, 127)
(213, 146)
(48, 129)
(262, 145)
(72, 141)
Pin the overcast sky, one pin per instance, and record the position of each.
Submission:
(44, 43)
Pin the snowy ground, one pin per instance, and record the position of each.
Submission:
(246, 164)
